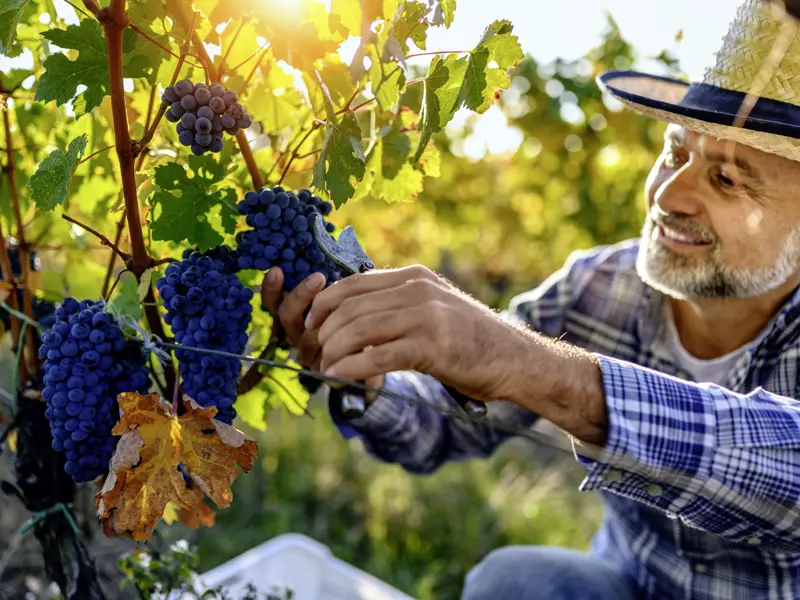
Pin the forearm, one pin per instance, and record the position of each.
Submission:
(563, 384)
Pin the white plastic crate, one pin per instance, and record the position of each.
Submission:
(301, 563)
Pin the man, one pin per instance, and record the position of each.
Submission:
(677, 352)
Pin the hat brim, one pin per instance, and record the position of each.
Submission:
(771, 126)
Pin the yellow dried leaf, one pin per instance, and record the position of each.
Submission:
(170, 513)
(161, 459)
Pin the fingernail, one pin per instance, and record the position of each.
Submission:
(272, 276)
(315, 281)
(307, 323)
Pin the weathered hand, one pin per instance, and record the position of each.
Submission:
(381, 321)
(289, 310)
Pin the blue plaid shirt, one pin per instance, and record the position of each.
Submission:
(710, 536)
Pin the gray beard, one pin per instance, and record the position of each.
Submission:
(693, 278)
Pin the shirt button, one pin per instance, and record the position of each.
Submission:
(754, 541)
(654, 490)
(613, 475)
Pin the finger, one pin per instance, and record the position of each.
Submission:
(411, 293)
(271, 291)
(292, 309)
(370, 330)
(398, 355)
(309, 351)
(363, 283)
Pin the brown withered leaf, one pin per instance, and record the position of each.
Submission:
(161, 458)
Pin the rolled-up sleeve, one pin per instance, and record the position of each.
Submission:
(723, 462)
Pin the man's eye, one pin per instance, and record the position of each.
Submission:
(724, 180)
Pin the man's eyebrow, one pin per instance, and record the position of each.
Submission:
(740, 163)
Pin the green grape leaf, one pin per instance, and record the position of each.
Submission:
(50, 184)
(472, 81)
(444, 12)
(184, 207)
(411, 24)
(387, 84)
(496, 53)
(341, 163)
(440, 97)
(62, 76)
(142, 12)
(10, 13)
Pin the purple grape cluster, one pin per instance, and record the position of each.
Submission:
(202, 112)
(88, 363)
(281, 235)
(208, 307)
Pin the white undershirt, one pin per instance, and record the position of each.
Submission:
(714, 370)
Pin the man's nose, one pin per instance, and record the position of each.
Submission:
(681, 192)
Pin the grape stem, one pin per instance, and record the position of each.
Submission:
(32, 364)
(221, 68)
(95, 153)
(437, 52)
(159, 44)
(92, 6)
(150, 128)
(78, 9)
(295, 154)
(251, 57)
(179, 9)
(112, 259)
(105, 241)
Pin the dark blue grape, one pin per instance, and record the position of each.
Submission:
(186, 137)
(204, 139)
(188, 103)
(188, 120)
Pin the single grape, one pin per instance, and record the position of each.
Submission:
(188, 102)
(186, 138)
(202, 95)
(171, 117)
(170, 95)
(217, 104)
(184, 87)
(203, 139)
(203, 125)
(236, 110)
(177, 109)
(227, 121)
(233, 131)
(188, 120)
(217, 90)
(230, 97)
(244, 122)
(206, 113)
(200, 85)
(216, 144)
(197, 149)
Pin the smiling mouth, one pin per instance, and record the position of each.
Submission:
(680, 237)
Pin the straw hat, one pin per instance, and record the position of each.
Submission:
(751, 95)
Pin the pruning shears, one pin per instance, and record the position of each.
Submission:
(347, 254)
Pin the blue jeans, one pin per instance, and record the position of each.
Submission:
(545, 573)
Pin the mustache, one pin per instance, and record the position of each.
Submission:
(684, 224)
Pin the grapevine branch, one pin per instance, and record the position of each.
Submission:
(105, 241)
(5, 263)
(114, 23)
(24, 256)
(251, 57)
